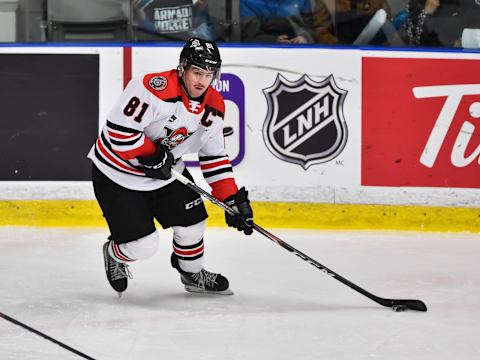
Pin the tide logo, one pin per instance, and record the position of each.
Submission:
(453, 95)
(421, 122)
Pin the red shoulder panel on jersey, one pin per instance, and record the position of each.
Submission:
(163, 85)
(215, 100)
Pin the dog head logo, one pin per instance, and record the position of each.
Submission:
(175, 137)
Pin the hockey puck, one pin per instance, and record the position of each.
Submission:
(227, 131)
(399, 308)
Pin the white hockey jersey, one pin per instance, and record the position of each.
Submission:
(156, 108)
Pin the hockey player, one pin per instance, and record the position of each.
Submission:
(159, 118)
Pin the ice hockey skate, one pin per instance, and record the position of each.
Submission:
(203, 282)
(117, 273)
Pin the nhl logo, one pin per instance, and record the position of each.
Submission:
(305, 123)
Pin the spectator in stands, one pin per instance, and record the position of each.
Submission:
(171, 20)
(417, 31)
(440, 22)
(351, 17)
(281, 21)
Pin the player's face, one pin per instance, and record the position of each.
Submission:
(197, 80)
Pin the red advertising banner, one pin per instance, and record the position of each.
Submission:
(421, 122)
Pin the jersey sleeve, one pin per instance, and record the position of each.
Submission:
(214, 162)
(130, 115)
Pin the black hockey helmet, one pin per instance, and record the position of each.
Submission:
(201, 53)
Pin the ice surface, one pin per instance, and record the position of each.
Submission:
(283, 308)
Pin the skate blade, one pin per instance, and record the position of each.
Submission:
(197, 290)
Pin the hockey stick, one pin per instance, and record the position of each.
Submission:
(16, 322)
(395, 304)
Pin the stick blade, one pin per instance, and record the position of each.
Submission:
(416, 305)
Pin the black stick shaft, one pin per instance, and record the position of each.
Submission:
(411, 304)
(16, 322)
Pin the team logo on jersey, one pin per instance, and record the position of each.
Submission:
(158, 83)
(305, 123)
(175, 137)
(195, 106)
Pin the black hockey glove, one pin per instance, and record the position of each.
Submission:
(243, 219)
(158, 165)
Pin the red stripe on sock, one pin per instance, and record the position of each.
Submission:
(188, 252)
(118, 253)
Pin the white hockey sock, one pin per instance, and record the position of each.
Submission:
(142, 248)
(188, 246)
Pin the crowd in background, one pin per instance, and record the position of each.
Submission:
(436, 23)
